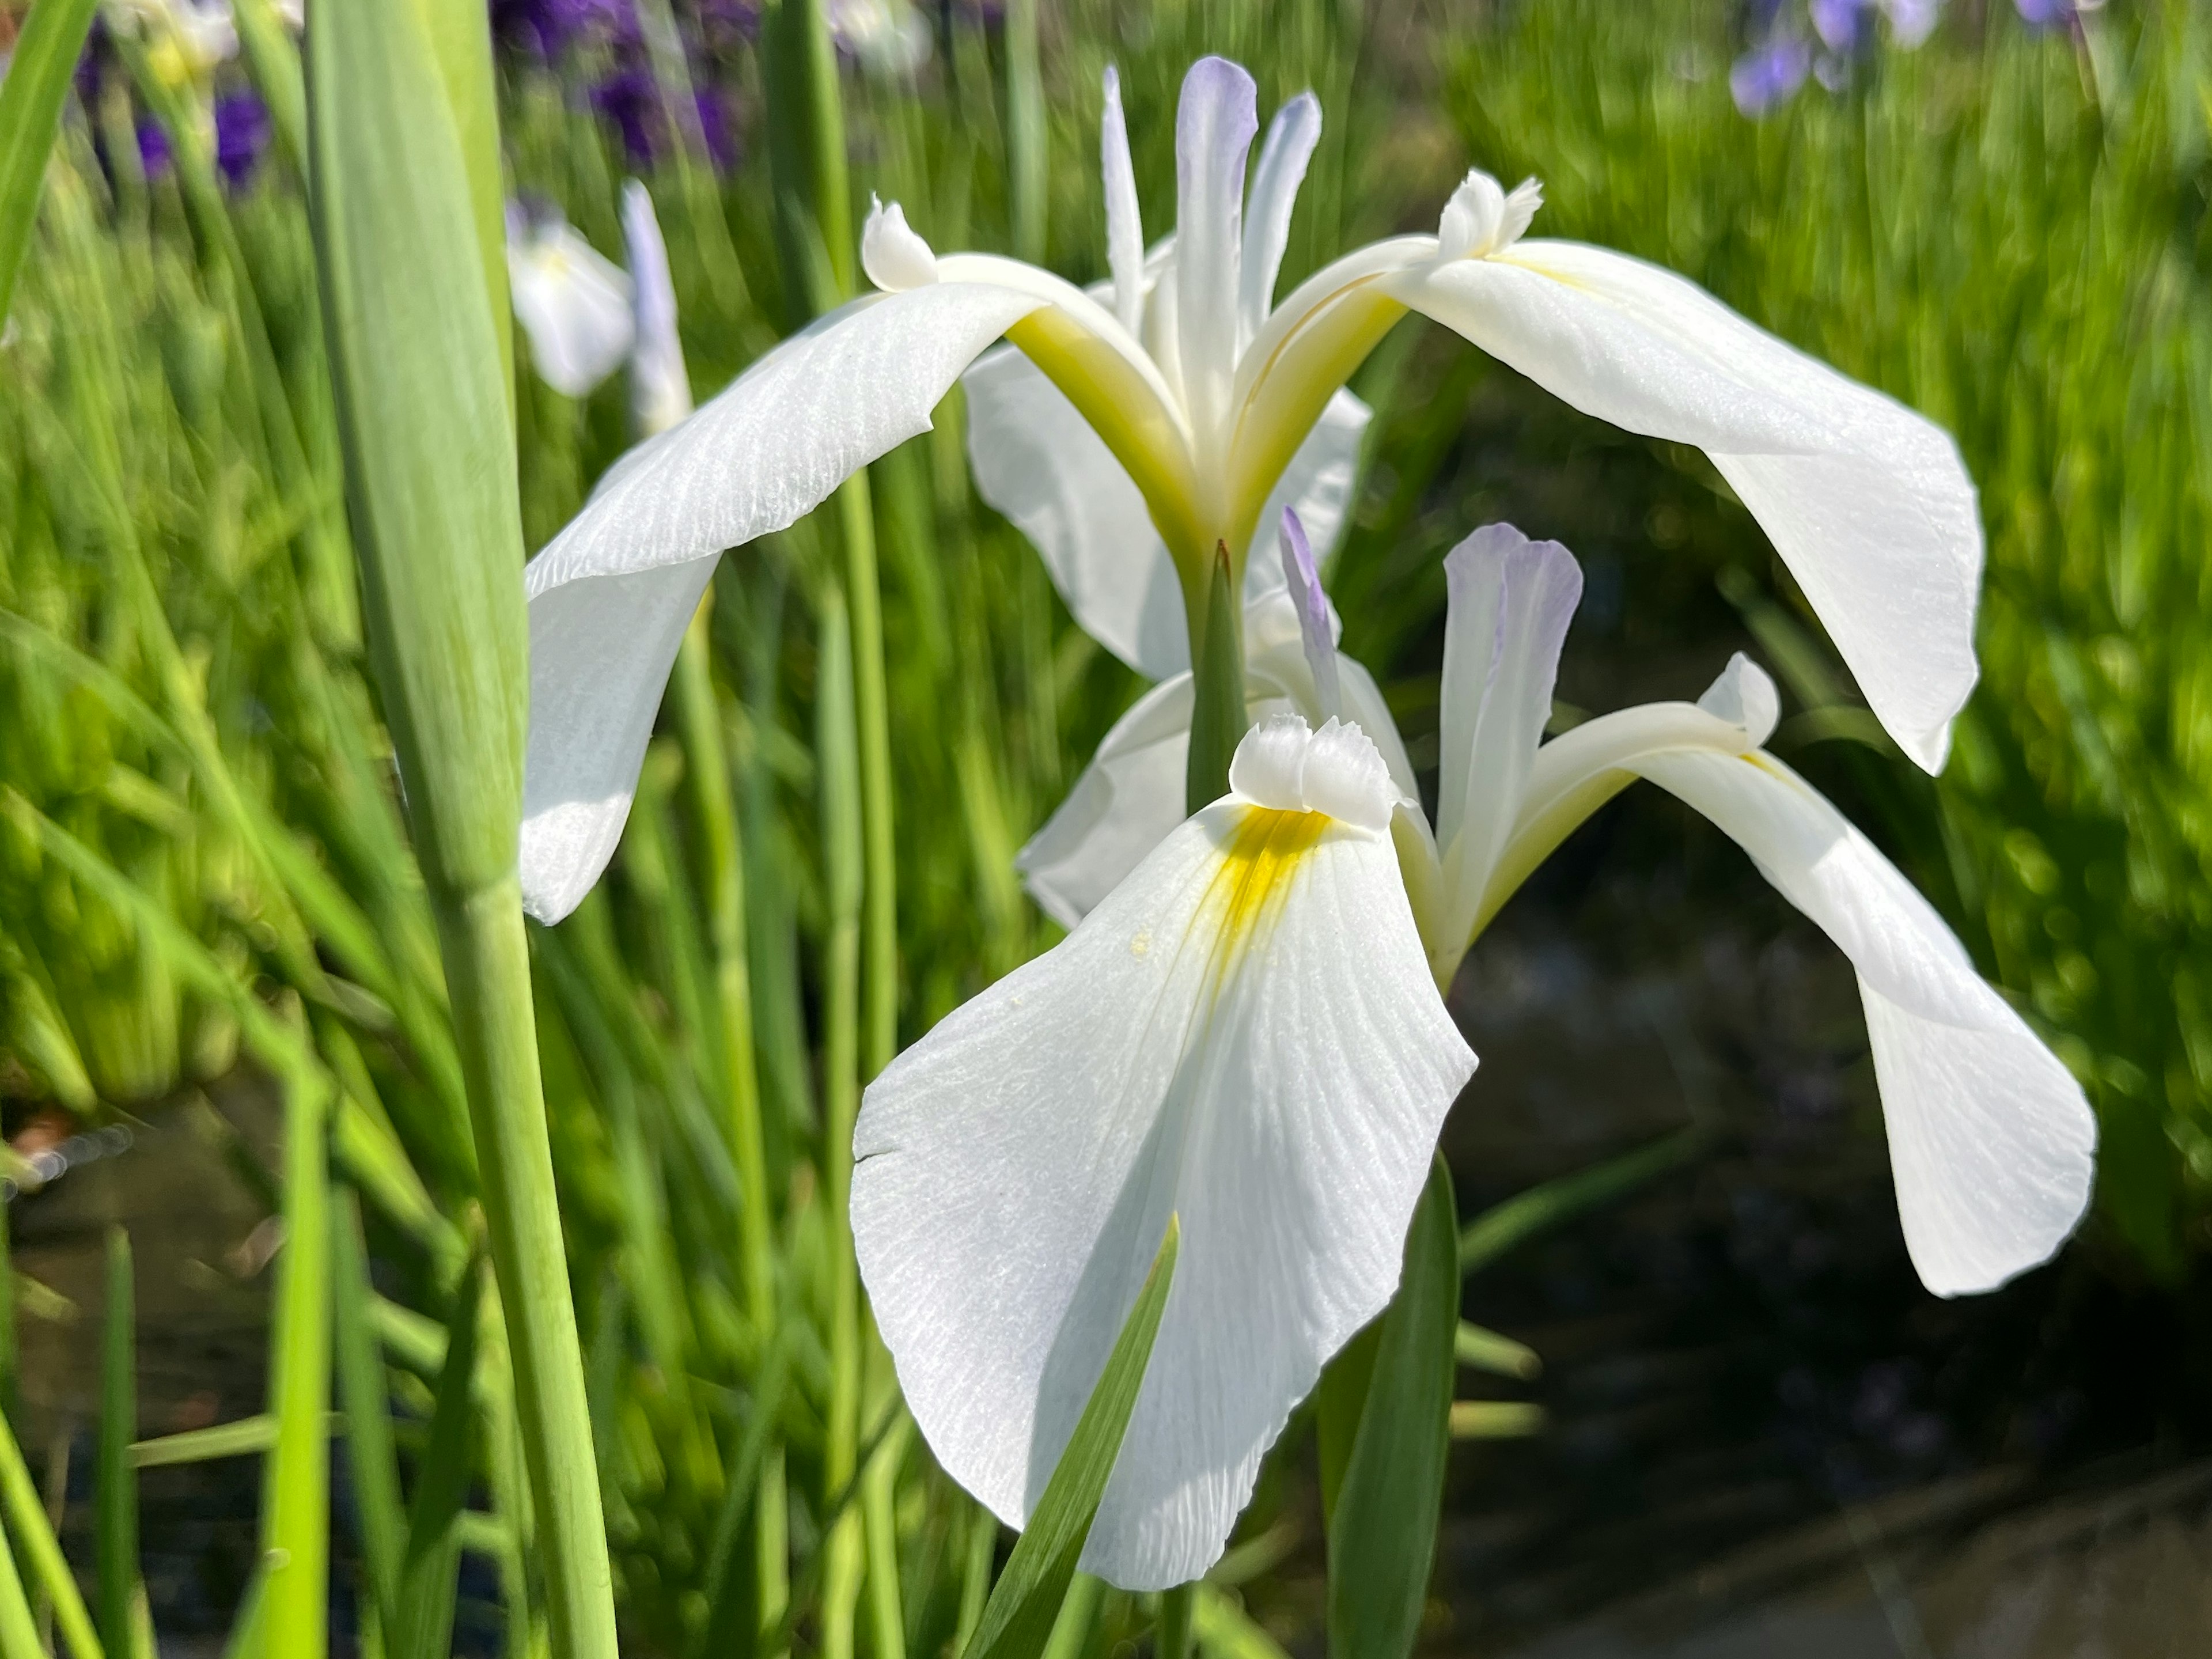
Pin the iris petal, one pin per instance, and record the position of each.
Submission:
(1244, 1034)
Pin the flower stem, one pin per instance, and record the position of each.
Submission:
(714, 810)
(1218, 718)
(1177, 1607)
(836, 744)
(488, 973)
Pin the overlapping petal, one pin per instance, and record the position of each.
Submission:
(1243, 1033)
(1509, 602)
(1867, 502)
(607, 604)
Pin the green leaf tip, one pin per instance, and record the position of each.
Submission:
(1017, 1621)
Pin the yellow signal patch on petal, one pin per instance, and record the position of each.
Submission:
(1257, 871)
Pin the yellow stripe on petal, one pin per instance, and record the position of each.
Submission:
(1257, 869)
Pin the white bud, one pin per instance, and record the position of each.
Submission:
(1744, 696)
(1482, 219)
(895, 259)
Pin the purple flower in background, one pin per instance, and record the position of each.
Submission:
(630, 99)
(1770, 74)
(717, 127)
(548, 28)
(241, 134)
(1911, 22)
(153, 147)
(2045, 14)
(1844, 26)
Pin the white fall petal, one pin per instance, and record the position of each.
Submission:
(1991, 1140)
(1242, 1034)
(573, 302)
(1867, 502)
(610, 596)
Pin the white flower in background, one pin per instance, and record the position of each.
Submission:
(1246, 1029)
(1211, 405)
(659, 387)
(186, 39)
(887, 38)
(573, 302)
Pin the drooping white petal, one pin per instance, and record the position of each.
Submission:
(1511, 600)
(1244, 1035)
(599, 656)
(1991, 1139)
(660, 390)
(1316, 620)
(574, 305)
(1038, 461)
(1215, 125)
(1289, 145)
(769, 448)
(1866, 501)
(1124, 221)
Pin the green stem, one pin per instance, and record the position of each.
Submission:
(836, 744)
(1217, 720)
(19, 1631)
(713, 807)
(879, 881)
(296, 1512)
(1078, 1614)
(878, 1494)
(488, 973)
(115, 1488)
(1178, 1607)
(1026, 132)
(33, 1534)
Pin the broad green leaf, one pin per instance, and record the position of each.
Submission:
(37, 79)
(1501, 1227)
(1382, 1530)
(115, 1487)
(423, 1624)
(423, 406)
(460, 34)
(1019, 1619)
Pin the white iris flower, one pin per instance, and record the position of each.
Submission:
(1189, 407)
(572, 301)
(1246, 1029)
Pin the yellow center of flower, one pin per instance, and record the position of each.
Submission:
(1255, 878)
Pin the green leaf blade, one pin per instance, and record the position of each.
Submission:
(38, 80)
(1382, 1527)
(1019, 1620)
